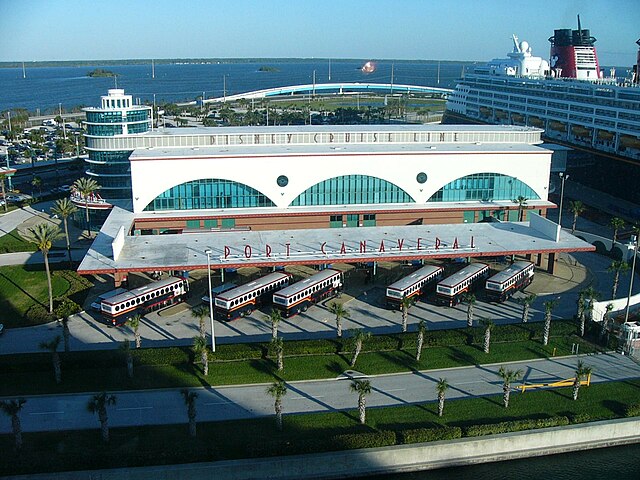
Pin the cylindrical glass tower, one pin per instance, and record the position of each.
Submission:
(108, 162)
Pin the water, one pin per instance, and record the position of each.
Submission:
(601, 464)
(45, 88)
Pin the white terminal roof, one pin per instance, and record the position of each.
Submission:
(318, 246)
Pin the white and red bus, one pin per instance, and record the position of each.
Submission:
(119, 308)
(414, 285)
(301, 295)
(243, 300)
(515, 277)
(450, 290)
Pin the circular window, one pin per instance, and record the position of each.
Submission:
(283, 181)
(421, 177)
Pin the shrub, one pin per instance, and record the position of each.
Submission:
(514, 426)
(38, 314)
(632, 410)
(421, 435)
(65, 308)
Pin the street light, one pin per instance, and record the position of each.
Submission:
(563, 177)
(213, 337)
(632, 246)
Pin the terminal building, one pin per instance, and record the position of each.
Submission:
(333, 188)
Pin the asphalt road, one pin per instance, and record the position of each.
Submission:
(156, 407)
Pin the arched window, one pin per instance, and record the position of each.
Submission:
(209, 193)
(483, 186)
(352, 189)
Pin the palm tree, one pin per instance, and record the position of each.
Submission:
(12, 408)
(362, 388)
(422, 330)
(274, 318)
(358, 337)
(582, 371)
(604, 324)
(404, 308)
(488, 324)
(577, 208)
(200, 312)
(86, 187)
(278, 390)
(522, 203)
(190, 402)
(52, 346)
(134, 324)
(617, 267)
(508, 376)
(548, 309)
(4, 196)
(616, 223)
(340, 312)
(126, 348)
(277, 347)
(526, 303)
(591, 295)
(42, 236)
(98, 404)
(64, 208)
(66, 334)
(470, 300)
(200, 348)
(37, 183)
(441, 387)
(580, 307)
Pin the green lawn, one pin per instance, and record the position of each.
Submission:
(170, 444)
(21, 286)
(13, 242)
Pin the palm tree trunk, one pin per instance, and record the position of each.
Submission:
(356, 353)
(137, 337)
(339, 327)
(55, 358)
(576, 388)
(86, 211)
(280, 360)
(205, 362)
(440, 404)
(65, 333)
(616, 280)
(17, 430)
(129, 365)
(278, 408)
(506, 391)
(192, 427)
(104, 424)
(46, 267)
(6, 207)
(573, 225)
(202, 328)
(405, 315)
(274, 330)
(420, 343)
(362, 408)
(525, 313)
(470, 316)
(582, 322)
(547, 329)
(487, 340)
(66, 234)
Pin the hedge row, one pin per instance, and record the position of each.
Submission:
(422, 435)
(514, 426)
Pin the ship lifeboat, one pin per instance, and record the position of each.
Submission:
(580, 131)
(484, 111)
(557, 126)
(517, 118)
(536, 122)
(605, 135)
(629, 141)
(500, 114)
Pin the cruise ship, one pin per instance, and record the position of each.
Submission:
(568, 96)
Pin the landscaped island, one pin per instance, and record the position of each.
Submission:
(100, 72)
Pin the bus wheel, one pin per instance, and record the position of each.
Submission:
(248, 312)
(304, 308)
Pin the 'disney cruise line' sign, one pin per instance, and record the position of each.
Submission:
(336, 250)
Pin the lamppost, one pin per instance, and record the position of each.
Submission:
(213, 337)
(632, 246)
(563, 177)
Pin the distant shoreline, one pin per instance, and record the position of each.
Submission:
(197, 61)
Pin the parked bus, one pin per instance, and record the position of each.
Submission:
(450, 290)
(301, 295)
(243, 300)
(414, 285)
(119, 308)
(515, 277)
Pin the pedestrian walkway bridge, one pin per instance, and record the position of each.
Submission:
(346, 88)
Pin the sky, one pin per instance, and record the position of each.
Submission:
(477, 30)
